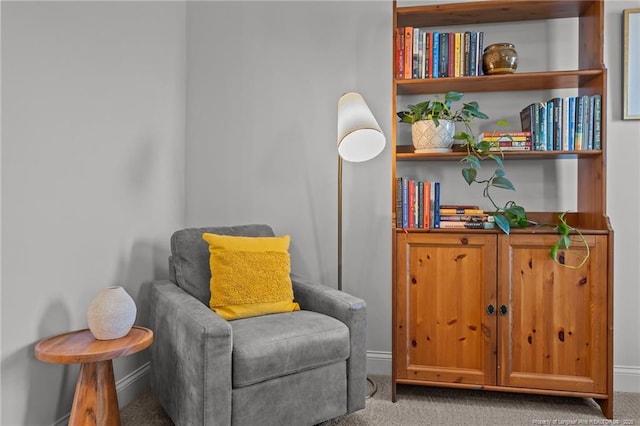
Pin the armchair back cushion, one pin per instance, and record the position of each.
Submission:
(189, 259)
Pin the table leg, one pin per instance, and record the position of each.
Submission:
(95, 401)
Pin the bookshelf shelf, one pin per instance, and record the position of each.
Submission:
(502, 83)
(405, 153)
(475, 308)
(483, 12)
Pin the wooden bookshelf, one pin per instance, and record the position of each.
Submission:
(479, 309)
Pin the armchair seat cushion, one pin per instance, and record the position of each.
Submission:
(276, 345)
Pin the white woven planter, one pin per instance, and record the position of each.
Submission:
(111, 314)
(429, 138)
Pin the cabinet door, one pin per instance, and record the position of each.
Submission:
(445, 282)
(553, 334)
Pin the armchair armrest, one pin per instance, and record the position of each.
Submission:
(190, 357)
(352, 311)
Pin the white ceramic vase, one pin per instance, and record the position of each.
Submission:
(427, 137)
(111, 314)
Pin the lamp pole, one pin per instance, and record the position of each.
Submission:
(359, 139)
(339, 223)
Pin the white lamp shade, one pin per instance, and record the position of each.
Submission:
(359, 135)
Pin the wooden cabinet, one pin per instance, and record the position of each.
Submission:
(491, 311)
(480, 309)
(444, 284)
(552, 334)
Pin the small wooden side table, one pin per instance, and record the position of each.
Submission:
(95, 401)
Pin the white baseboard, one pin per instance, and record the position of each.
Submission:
(625, 378)
(127, 388)
(379, 363)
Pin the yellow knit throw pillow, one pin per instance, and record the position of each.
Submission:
(249, 275)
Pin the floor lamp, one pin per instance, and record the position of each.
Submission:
(359, 139)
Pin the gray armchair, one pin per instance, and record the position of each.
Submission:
(295, 368)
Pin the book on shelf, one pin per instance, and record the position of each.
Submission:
(428, 205)
(597, 125)
(556, 105)
(565, 124)
(579, 124)
(455, 64)
(506, 144)
(436, 204)
(415, 64)
(419, 207)
(540, 144)
(435, 54)
(526, 120)
(411, 203)
(472, 64)
(445, 224)
(405, 202)
(399, 53)
(550, 126)
(466, 217)
(480, 51)
(451, 52)
(398, 202)
(450, 211)
(526, 147)
(590, 123)
(428, 55)
(444, 54)
(571, 133)
(408, 52)
(459, 206)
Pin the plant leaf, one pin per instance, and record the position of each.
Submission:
(473, 161)
(484, 146)
(563, 229)
(516, 211)
(502, 223)
(502, 182)
(564, 242)
(469, 174)
(453, 96)
(497, 159)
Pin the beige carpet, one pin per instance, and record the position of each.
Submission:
(441, 406)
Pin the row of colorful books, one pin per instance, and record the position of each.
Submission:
(570, 123)
(431, 54)
(418, 207)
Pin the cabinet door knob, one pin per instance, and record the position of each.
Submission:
(491, 309)
(503, 310)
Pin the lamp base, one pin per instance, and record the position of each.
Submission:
(374, 388)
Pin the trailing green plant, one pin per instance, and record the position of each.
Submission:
(510, 215)
(507, 216)
(564, 243)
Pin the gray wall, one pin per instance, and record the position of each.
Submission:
(261, 114)
(623, 206)
(93, 100)
(263, 84)
(96, 99)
